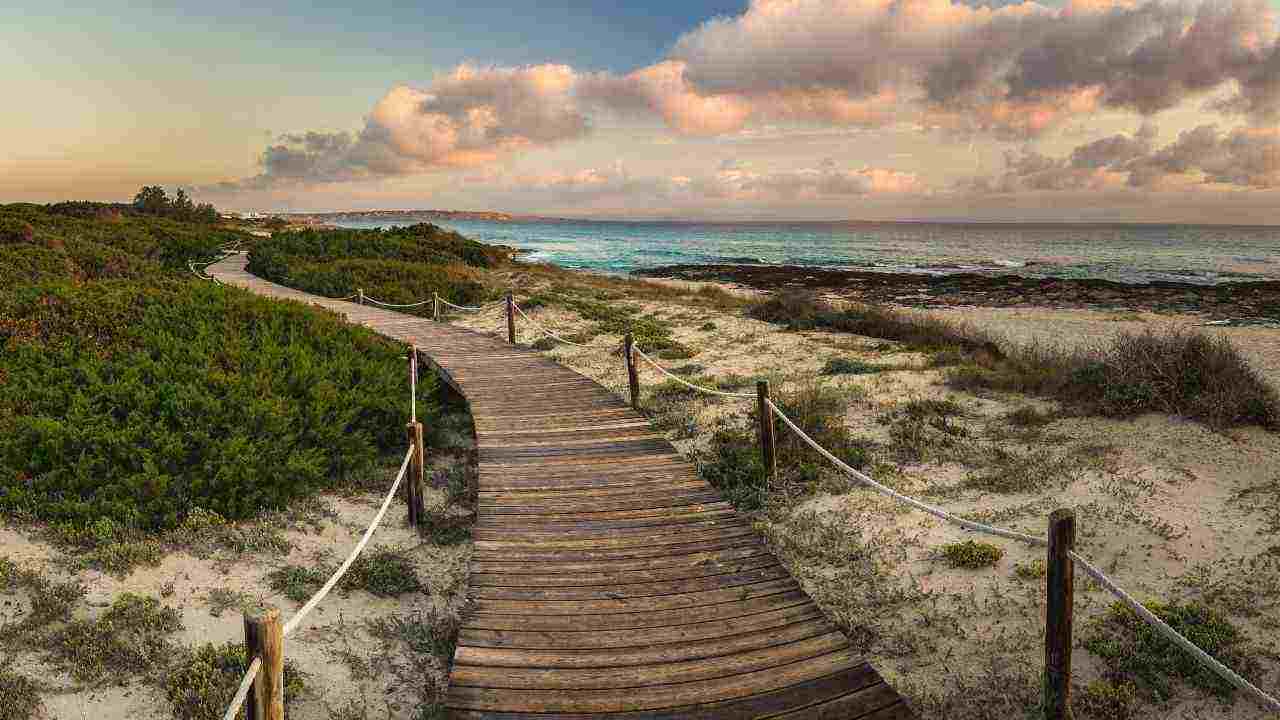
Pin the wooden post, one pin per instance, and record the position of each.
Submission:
(435, 306)
(768, 450)
(633, 375)
(413, 480)
(360, 296)
(264, 638)
(1059, 583)
(511, 319)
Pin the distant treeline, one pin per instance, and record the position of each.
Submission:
(151, 200)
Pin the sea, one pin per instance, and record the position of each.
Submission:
(1199, 254)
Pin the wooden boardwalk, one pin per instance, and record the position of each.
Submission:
(609, 580)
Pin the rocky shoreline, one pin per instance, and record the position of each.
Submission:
(1228, 303)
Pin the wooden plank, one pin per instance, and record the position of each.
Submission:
(641, 654)
(653, 697)
(609, 578)
(639, 675)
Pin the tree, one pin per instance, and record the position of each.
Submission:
(151, 200)
(182, 207)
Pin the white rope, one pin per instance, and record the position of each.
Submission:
(1169, 633)
(294, 621)
(243, 691)
(394, 305)
(1175, 637)
(686, 383)
(543, 329)
(935, 511)
(466, 308)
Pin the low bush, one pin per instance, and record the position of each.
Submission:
(19, 696)
(1176, 371)
(130, 637)
(139, 402)
(805, 311)
(971, 554)
(732, 461)
(201, 684)
(1135, 654)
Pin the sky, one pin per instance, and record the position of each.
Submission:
(1071, 110)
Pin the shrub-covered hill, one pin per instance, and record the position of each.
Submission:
(133, 392)
(398, 265)
(140, 401)
(40, 243)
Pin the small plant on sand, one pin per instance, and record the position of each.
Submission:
(543, 344)
(1033, 570)
(1134, 653)
(386, 572)
(19, 696)
(848, 366)
(1105, 700)
(971, 554)
(925, 429)
(707, 327)
(201, 684)
(130, 637)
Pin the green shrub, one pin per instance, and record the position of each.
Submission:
(1136, 654)
(1176, 371)
(13, 231)
(1104, 699)
(200, 685)
(19, 696)
(1033, 570)
(805, 311)
(141, 401)
(972, 555)
(848, 366)
(383, 572)
(130, 637)
(732, 461)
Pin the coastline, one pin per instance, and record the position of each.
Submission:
(1243, 303)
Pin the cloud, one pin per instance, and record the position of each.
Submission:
(1244, 158)
(467, 117)
(1010, 70)
(1016, 70)
(731, 181)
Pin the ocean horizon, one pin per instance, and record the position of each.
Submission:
(1122, 252)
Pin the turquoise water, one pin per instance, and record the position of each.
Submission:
(1127, 253)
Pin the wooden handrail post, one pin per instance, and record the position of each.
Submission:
(768, 450)
(264, 638)
(633, 375)
(511, 319)
(360, 296)
(413, 480)
(1059, 584)
(435, 306)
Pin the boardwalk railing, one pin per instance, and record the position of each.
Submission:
(1059, 542)
(262, 686)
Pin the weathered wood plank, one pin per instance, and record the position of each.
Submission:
(609, 579)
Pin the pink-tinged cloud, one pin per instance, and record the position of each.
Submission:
(1205, 158)
(1013, 72)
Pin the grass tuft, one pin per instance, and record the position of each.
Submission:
(1134, 653)
(849, 366)
(201, 684)
(971, 554)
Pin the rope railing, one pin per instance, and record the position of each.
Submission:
(320, 594)
(376, 301)
(1204, 658)
(1173, 636)
(469, 308)
(686, 383)
(243, 691)
(544, 330)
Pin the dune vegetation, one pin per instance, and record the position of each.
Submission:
(157, 429)
(400, 265)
